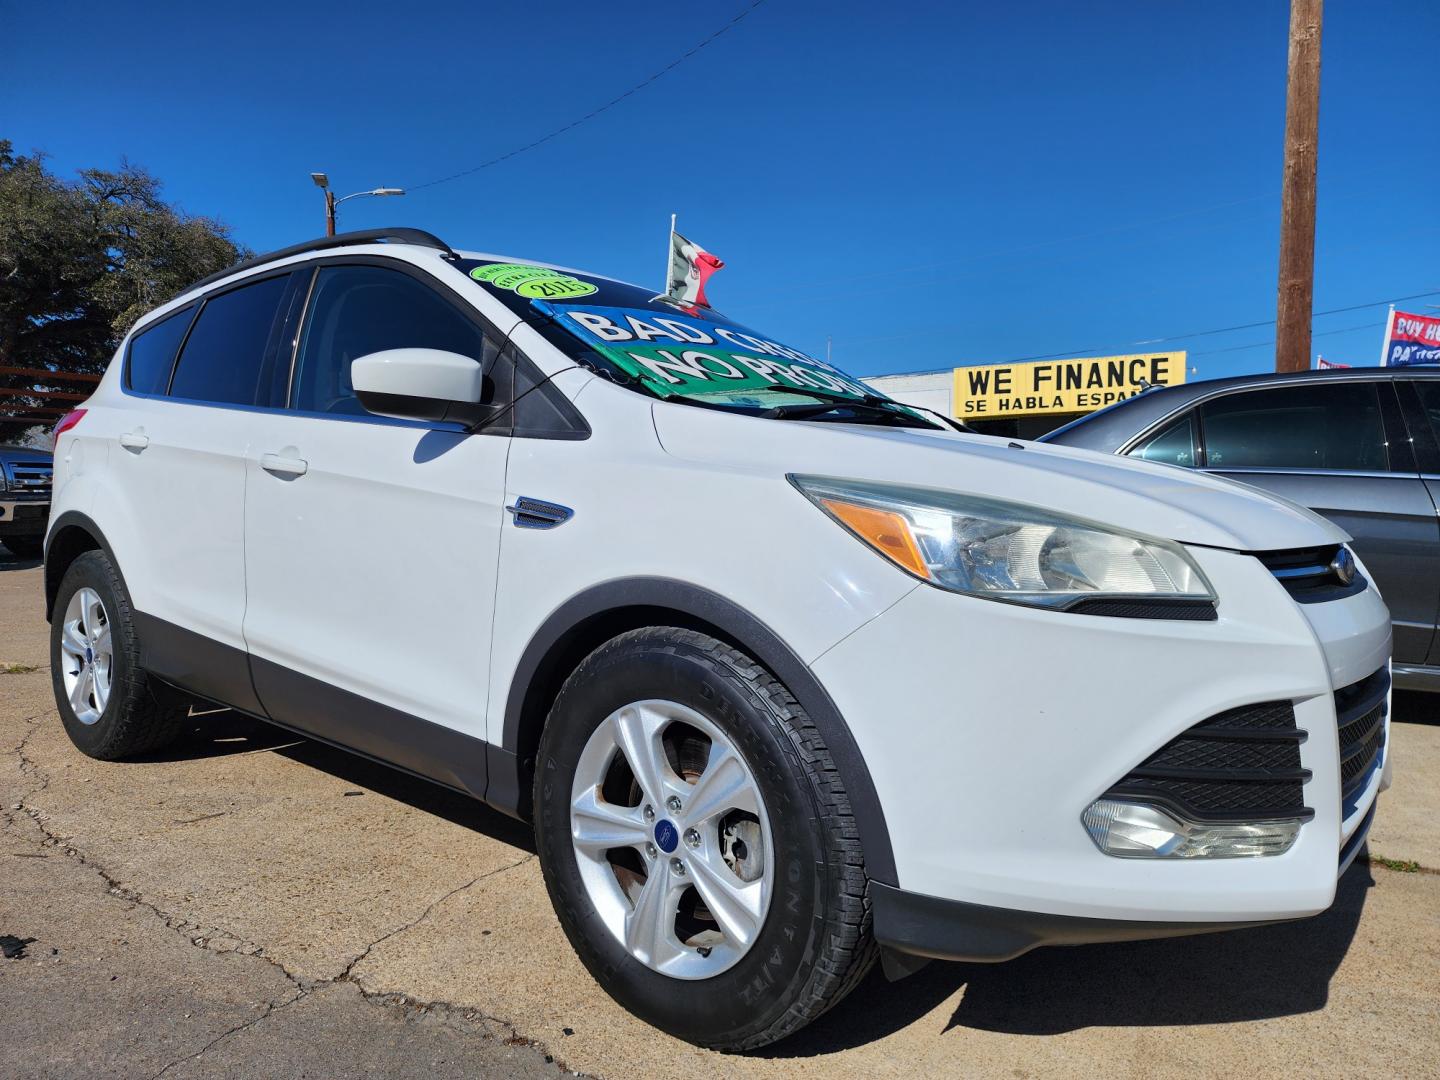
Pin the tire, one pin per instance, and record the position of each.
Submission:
(25, 547)
(134, 716)
(813, 942)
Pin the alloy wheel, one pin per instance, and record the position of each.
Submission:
(87, 655)
(672, 839)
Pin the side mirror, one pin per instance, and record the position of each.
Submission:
(421, 384)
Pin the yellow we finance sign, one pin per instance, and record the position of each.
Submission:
(996, 391)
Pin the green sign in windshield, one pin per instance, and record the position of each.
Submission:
(695, 357)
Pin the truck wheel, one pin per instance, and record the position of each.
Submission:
(697, 843)
(106, 702)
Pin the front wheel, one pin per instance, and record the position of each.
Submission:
(697, 843)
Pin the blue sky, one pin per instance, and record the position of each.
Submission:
(928, 184)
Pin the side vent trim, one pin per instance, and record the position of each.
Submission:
(538, 514)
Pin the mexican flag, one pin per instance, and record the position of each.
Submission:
(690, 268)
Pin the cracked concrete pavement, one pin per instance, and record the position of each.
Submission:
(251, 904)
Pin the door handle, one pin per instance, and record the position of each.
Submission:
(134, 440)
(283, 466)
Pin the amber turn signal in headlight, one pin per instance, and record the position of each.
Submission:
(1005, 551)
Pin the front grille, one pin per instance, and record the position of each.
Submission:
(1360, 718)
(1239, 765)
(1308, 574)
(26, 479)
(29, 514)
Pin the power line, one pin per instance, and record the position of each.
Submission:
(1148, 341)
(1262, 344)
(1201, 333)
(593, 112)
(1228, 329)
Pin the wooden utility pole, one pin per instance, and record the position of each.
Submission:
(1297, 205)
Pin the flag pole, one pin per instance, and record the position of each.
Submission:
(669, 249)
(1385, 341)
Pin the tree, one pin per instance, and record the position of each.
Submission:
(81, 260)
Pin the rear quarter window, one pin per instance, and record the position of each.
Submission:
(151, 355)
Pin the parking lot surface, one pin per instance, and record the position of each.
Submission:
(254, 904)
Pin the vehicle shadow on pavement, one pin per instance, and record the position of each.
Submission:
(225, 732)
(215, 733)
(1255, 974)
(423, 795)
(10, 561)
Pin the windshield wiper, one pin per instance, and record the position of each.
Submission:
(820, 408)
(833, 395)
(833, 398)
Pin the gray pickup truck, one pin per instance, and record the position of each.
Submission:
(24, 499)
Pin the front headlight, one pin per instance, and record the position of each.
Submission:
(1006, 551)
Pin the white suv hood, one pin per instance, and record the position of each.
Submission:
(1156, 500)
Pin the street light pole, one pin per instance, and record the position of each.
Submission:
(1296, 287)
(322, 181)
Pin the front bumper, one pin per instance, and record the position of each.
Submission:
(988, 728)
(23, 517)
(935, 929)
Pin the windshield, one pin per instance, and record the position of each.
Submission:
(679, 353)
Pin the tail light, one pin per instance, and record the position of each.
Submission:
(68, 421)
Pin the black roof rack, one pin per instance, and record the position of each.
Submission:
(418, 237)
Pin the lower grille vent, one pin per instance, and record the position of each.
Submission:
(1239, 765)
(1360, 713)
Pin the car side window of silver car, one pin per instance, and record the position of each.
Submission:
(1428, 391)
(1332, 427)
(1174, 444)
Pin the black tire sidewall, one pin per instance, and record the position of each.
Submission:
(93, 570)
(752, 994)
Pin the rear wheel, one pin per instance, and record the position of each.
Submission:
(697, 843)
(108, 706)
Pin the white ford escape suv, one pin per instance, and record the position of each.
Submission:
(786, 674)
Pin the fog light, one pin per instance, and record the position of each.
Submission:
(1140, 831)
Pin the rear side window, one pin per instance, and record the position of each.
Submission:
(357, 310)
(225, 356)
(152, 353)
(1174, 445)
(1429, 391)
(1335, 426)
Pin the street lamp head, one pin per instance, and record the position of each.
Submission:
(388, 191)
(321, 180)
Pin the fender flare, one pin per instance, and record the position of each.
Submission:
(756, 638)
(75, 519)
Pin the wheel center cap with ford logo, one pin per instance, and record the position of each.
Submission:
(666, 835)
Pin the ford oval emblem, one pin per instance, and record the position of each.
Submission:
(1343, 565)
(666, 835)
